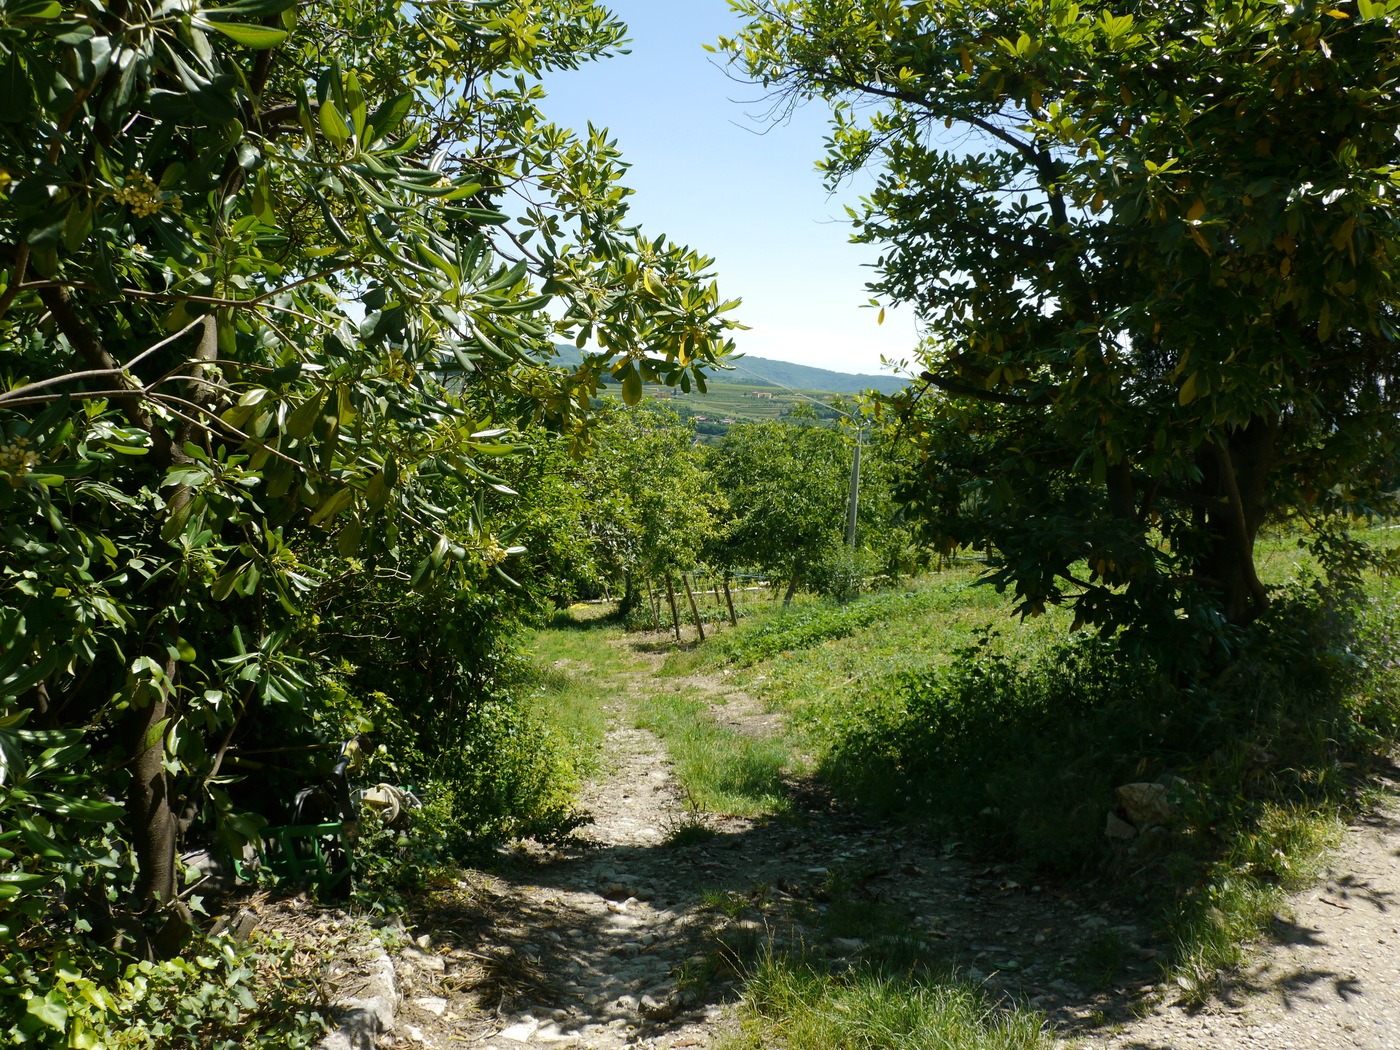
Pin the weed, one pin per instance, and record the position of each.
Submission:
(1101, 959)
(689, 830)
(726, 902)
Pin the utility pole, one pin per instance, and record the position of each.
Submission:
(855, 492)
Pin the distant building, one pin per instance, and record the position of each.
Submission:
(762, 395)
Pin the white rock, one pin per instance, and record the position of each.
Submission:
(550, 1033)
(1146, 804)
(432, 1004)
(521, 1032)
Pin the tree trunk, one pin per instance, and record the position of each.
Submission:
(792, 589)
(671, 597)
(630, 595)
(150, 809)
(1235, 475)
(655, 604)
(694, 609)
(729, 600)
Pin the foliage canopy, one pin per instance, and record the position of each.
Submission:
(1154, 247)
(275, 279)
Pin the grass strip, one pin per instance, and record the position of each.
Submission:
(797, 1006)
(720, 770)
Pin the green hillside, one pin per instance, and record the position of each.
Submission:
(765, 372)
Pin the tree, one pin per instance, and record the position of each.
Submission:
(787, 487)
(669, 508)
(272, 272)
(1156, 260)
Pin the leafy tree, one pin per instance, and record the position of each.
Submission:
(1155, 257)
(787, 486)
(272, 277)
(658, 469)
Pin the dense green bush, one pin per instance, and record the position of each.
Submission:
(66, 991)
(1022, 758)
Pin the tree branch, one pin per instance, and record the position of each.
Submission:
(59, 301)
(953, 386)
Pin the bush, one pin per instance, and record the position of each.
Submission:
(67, 992)
(1023, 759)
(842, 573)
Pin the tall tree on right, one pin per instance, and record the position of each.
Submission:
(1155, 248)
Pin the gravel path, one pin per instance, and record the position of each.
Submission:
(636, 934)
(1330, 979)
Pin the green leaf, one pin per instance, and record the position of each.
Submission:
(348, 542)
(1188, 390)
(246, 9)
(333, 124)
(52, 1009)
(301, 421)
(254, 36)
(631, 386)
(355, 102)
(44, 10)
(333, 505)
(389, 115)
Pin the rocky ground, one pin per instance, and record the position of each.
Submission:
(637, 933)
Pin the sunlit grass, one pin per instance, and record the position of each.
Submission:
(573, 671)
(794, 1005)
(720, 770)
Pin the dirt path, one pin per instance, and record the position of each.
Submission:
(636, 934)
(1329, 979)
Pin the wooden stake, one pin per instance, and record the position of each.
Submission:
(671, 597)
(655, 606)
(694, 609)
(729, 600)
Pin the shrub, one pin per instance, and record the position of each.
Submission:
(1022, 757)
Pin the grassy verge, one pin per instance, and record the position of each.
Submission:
(572, 671)
(1214, 926)
(810, 992)
(795, 1005)
(720, 770)
(576, 668)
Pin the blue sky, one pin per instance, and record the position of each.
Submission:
(710, 172)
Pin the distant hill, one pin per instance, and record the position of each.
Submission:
(765, 372)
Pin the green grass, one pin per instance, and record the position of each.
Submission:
(571, 673)
(720, 770)
(577, 666)
(794, 1005)
(1282, 854)
(1014, 739)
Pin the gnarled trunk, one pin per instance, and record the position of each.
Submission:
(1235, 475)
(150, 807)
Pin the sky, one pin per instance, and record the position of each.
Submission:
(710, 171)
